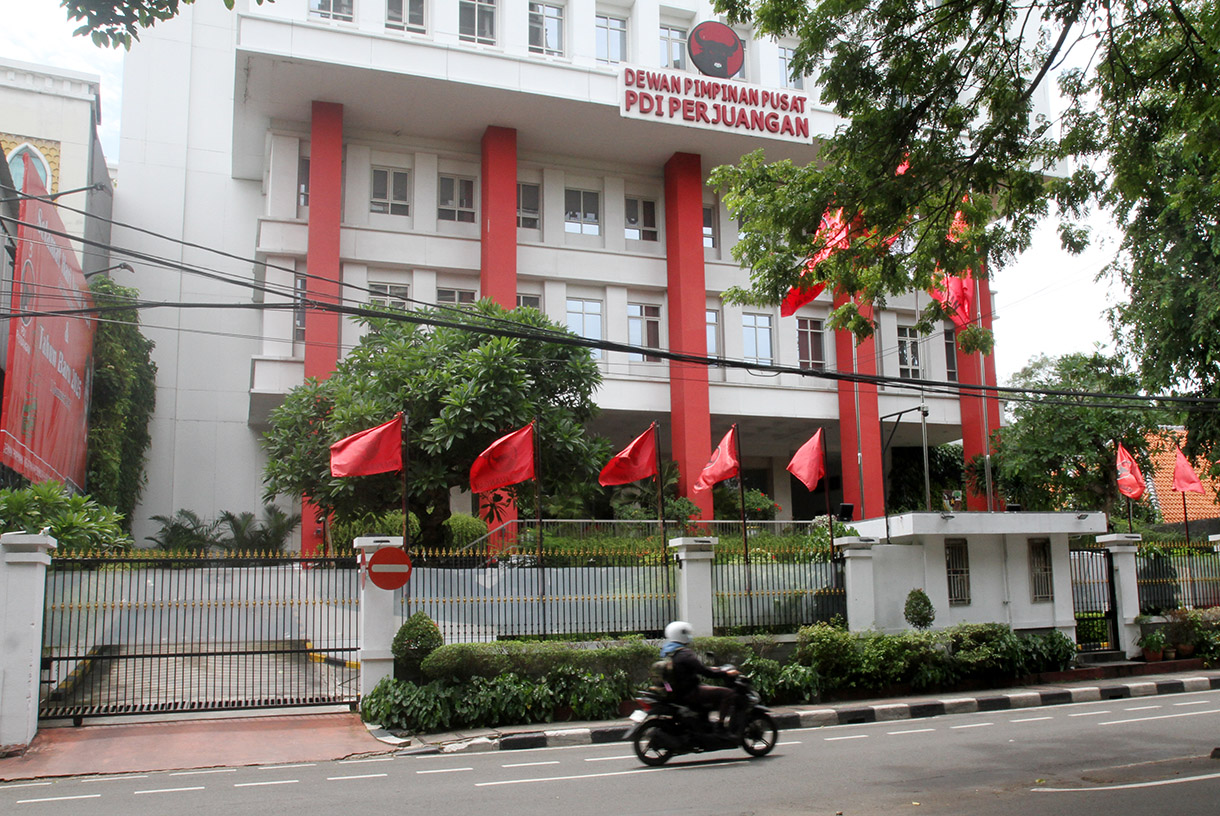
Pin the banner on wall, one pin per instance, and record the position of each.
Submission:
(45, 411)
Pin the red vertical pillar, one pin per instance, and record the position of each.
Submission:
(980, 416)
(322, 264)
(860, 456)
(690, 418)
(498, 188)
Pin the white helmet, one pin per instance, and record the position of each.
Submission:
(678, 631)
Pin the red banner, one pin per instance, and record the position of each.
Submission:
(44, 415)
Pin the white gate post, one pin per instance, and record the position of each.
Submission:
(859, 582)
(694, 557)
(1123, 547)
(23, 581)
(377, 618)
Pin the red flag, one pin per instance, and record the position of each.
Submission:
(723, 464)
(1184, 478)
(508, 460)
(957, 294)
(834, 232)
(1130, 480)
(636, 461)
(376, 450)
(808, 464)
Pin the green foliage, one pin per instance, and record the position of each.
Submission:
(1153, 641)
(906, 481)
(1048, 652)
(465, 388)
(121, 402)
(461, 529)
(458, 662)
(185, 531)
(781, 684)
(818, 539)
(243, 534)
(418, 637)
(727, 501)
(116, 23)
(918, 610)
(78, 523)
(344, 532)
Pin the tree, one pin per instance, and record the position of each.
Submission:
(115, 23)
(1059, 452)
(906, 481)
(461, 389)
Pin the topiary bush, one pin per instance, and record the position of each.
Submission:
(344, 531)
(459, 662)
(461, 529)
(418, 637)
(918, 610)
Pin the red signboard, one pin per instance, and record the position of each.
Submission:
(389, 568)
(45, 409)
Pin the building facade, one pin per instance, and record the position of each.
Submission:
(439, 151)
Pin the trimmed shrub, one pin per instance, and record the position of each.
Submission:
(418, 637)
(918, 610)
(344, 531)
(461, 529)
(459, 662)
(832, 652)
(1047, 651)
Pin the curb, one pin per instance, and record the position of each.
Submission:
(842, 714)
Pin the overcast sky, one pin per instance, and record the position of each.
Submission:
(1046, 303)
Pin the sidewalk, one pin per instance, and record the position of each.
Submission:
(270, 739)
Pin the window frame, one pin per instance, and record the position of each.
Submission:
(668, 41)
(300, 291)
(391, 296)
(539, 15)
(1041, 571)
(957, 571)
(644, 330)
(317, 12)
(453, 296)
(536, 214)
(806, 334)
(785, 67)
(456, 206)
(910, 365)
(522, 296)
(407, 7)
(711, 318)
(605, 32)
(302, 181)
(646, 231)
(481, 10)
(711, 226)
(583, 316)
(390, 201)
(951, 354)
(581, 225)
(753, 324)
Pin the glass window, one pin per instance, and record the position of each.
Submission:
(546, 29)
(741, 72)
(611, 39)
(391, 295)
(809, 344)
(641, 219)
(391, 191)
(529, 199)
(585, 320)
(405, 15)
(950, 353)
(673, 47)
(454, 296)
(908, 353)
(709, 226)
(785, 67)
(300, 291)
(530, 301)
(957, 570)
(303, 181)
(644, 330)
(1041, 573)
(582, 212)
(756, 338)
(455, 199)
(713, 333)
(477, 21)
(331, 9)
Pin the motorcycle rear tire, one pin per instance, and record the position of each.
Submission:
(645, 749)
(759, 735)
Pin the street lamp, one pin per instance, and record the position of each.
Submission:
(126, 266)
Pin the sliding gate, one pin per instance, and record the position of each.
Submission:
(152, 631)
(1093, 598)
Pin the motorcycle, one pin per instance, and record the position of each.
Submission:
(665, 728)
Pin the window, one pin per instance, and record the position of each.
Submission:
(391, 191)
(454, 296)
(405, 15)
(300, 287)
(331, 9)
(950, 354)
(785, 67)
(809, 344)
(391, 295)
(643, 329)
(529, 212)
(303, 181)
(709, 226)
(957, 570)
(741, 72)
(477, 21)
(908, 353)
(611, 39)
(756, 338)
(585, 320)
(456, 199)
(1041, 574)
(582, 212)
(546, 29)
(641, 219)
(713, 333)
(673, 47)
(530, 301)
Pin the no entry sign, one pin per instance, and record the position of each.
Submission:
(389, 568)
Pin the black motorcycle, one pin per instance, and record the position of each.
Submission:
(665, 727)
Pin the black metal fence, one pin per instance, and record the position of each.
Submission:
(153, 631)
(1093, 598)
(1177, 575)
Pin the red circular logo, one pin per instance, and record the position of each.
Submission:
(715, 49)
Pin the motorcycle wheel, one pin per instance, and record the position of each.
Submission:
(645, 744)
(759, 735)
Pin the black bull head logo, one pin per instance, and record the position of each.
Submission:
(714, 57)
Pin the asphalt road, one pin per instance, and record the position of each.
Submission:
(1142, 755)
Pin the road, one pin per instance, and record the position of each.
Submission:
(1141, 755)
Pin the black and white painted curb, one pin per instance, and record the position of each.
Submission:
(839, 714)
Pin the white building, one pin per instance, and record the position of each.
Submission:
(446, 150)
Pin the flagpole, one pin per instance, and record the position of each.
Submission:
(745, 539)
(830, 522)
(538, 523)
(1185, 517)
(406, 507)
(1130, 522)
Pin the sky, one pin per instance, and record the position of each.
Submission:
(1046, 303)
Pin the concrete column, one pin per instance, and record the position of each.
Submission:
(23, 567)
(694, 557)
(1123, 547)
(378, 623)
(498, 219)
(859, 582)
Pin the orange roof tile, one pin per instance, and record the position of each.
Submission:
(1161, 445)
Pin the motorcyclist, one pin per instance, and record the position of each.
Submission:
(688, 668)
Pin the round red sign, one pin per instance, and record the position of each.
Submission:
(389, 568)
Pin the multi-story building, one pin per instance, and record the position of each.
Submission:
(551, 154)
